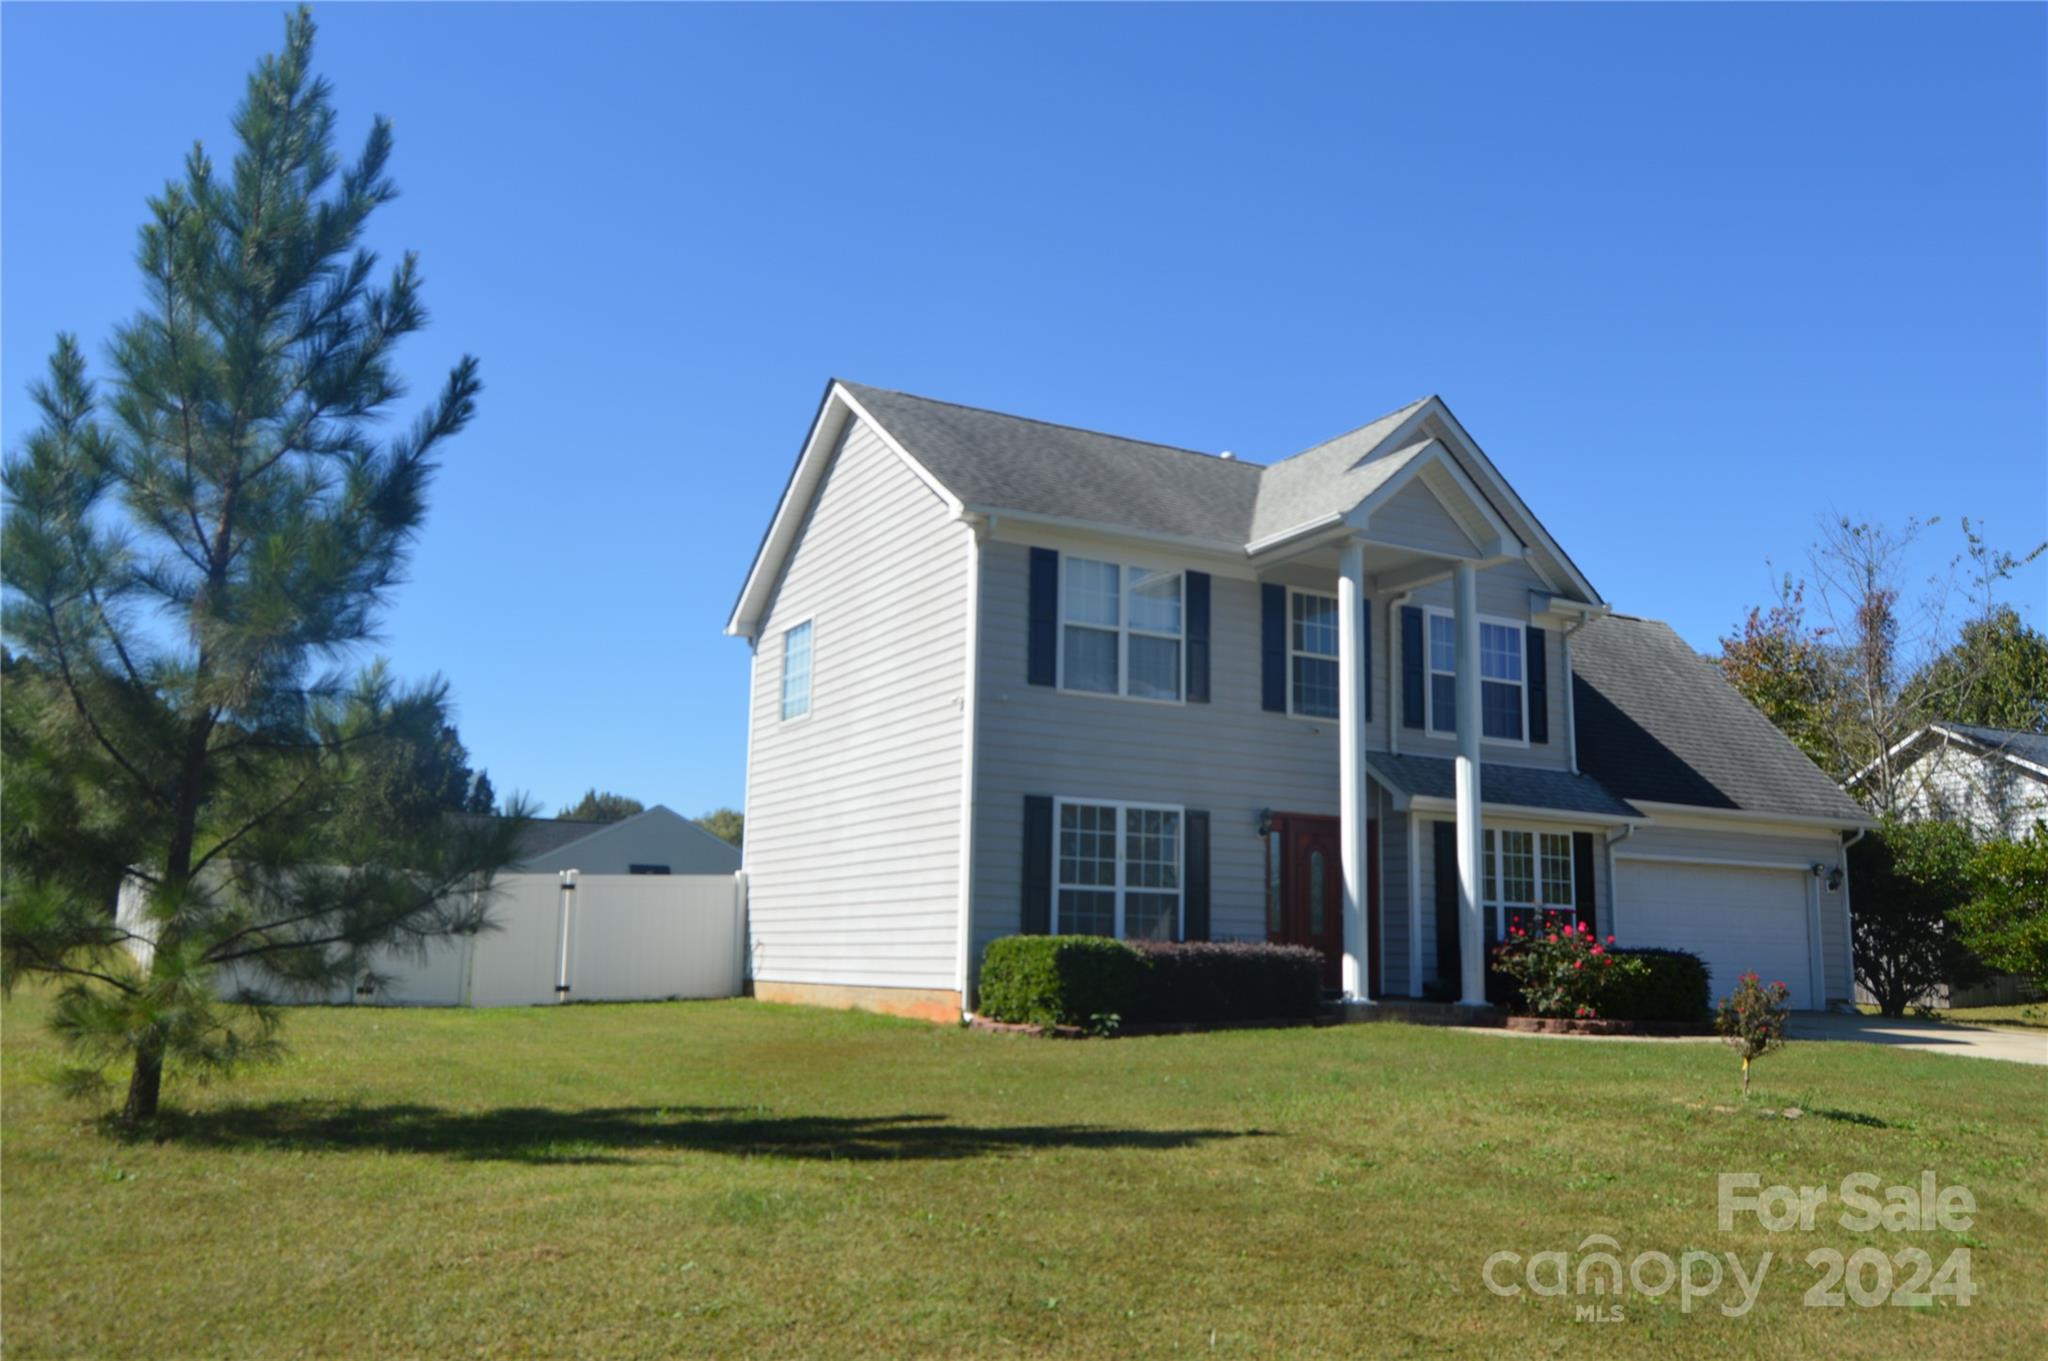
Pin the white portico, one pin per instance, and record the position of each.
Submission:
(1422, 523)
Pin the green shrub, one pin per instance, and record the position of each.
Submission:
(1654, 985)
(1558, 967)
(1229, 981)
(1059, 980)
(2005, 921)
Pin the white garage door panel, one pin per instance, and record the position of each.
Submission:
(1737, 919)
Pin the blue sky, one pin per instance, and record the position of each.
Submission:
(1695, 276)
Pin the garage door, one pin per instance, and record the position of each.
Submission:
(1737, 919)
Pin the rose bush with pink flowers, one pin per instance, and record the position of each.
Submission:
(1559, 966)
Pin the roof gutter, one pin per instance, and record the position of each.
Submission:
(1654, 807)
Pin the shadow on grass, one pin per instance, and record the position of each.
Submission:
(1853, 1118)
(535, 1134)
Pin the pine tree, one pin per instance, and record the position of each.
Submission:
(189, 563)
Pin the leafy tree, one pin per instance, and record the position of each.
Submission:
(481, 797)
(1852, 666)
(2005, 920)
(601, 807)
(187, 564)
(727, 824)
(1995, 676)
(1781, 667)
(1752, 1020)
(1909, 877)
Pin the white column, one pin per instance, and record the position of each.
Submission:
(1471, 933)
(1351, 683)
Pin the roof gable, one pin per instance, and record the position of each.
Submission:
(986, 462)
(2025, 751)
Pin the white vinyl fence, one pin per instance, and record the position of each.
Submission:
(609, 938)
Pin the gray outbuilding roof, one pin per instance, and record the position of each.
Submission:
(541, 836)
(1435, 777)
(1658, 722)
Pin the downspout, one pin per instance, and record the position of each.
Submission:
(1848, 918)
(978, 530)
(1615, 838)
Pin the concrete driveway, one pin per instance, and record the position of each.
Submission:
(1933, 1037)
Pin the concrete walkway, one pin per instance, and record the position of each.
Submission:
(1933, 1037)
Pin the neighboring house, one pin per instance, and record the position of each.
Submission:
(1992, 780)
(1012, 676)
(657, 841)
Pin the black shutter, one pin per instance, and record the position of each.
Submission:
(1365, 650)
(1582, 874)
(1037, 918)
(1414, 667)
(1273, 648)
(1195, 878)
(1198, 637)
(1043, 666)
(1539, 687)
(1449, 956)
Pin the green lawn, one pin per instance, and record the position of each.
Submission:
(2032, 1016)
(740, 1179)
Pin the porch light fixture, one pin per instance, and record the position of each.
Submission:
(1265, 822)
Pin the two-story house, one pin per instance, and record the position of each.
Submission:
(1010, 676)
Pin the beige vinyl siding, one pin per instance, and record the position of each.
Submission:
(1743, 844)
(1228, 756)
(1415, 518)
(1503, 593)
(853, 816)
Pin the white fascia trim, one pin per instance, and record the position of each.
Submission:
(1218, 548)
(1977, 745)
(1546, 602)
(1507, 543)
(1430, 803)
(1678, 814)
(796, 501)
(924, 474)
(1334, 520)
(1724, 861)
(1521, 507)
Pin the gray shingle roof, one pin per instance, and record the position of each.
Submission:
(1658, 722)
(1500, 783)
(1332, 477)
(1010, 463)
(543, 835)
(2027, 746)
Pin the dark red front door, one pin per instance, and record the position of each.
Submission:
(1312, 891)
